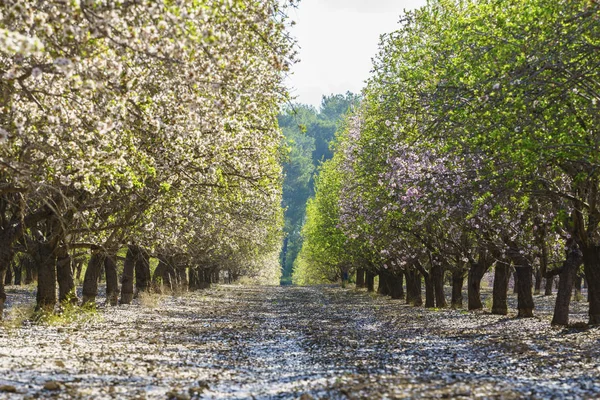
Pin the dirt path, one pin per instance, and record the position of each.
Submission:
(268, 342)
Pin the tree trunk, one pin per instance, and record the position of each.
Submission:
(591, 263)
(78, 269)
(437, 277)
(112, 280)
(90, 281)
(18, 273)
(524, 296)
(396, 289)
(413, 288)
(499, 295)
(537, 287)
(360, 278)
(6, 256)
(475, 275)
(384, 284)
(30, 270)
(158, 279)
(194, 279)
(182, 278)
(142, 271)
(458, 280)
(127, 279)
(46, 293)
(370, 277)
(577, 287)
(549, 285)
(541, 241)
(64, 273)
(204, 279)
(8, 276)
(565, 286)
(516, 282)
(429, 292)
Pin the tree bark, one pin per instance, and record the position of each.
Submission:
(6, 257)
(360, 278)
(182, 278)
(90, 281)
(160, 276)
(437, 277)
(475, 275)
(565, 286)
(112, 280)
(499, 294)
(537, 287)
(577, 287)
(413, 287)
(396, 289)
(8, 277)
(30, 270)
(429, 290)
(370, 277)
(127, 279)
(64, 273)
(549, 286)
(591, 263)
(383, 287)
(46, 293)
(458, 280)
(524, 296)
(142, 271)
(18, 273)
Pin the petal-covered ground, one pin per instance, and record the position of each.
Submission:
(237, 342)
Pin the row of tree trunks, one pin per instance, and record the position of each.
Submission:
(201, 278)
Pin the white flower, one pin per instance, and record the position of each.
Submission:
(36, 73)
(3, 135)
(496, 86)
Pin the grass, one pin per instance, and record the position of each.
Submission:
(17, 315)
(488, 302)
(149, 299)
(68, 314)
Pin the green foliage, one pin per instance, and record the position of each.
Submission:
(308, 134)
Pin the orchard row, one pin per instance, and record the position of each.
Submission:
(476, 146)
(143, 125)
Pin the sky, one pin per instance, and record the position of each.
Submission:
(337, 40)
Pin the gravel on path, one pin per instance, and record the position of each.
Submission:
(244, 342)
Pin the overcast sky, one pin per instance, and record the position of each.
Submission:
(337, 39)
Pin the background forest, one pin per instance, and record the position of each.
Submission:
(308, 133)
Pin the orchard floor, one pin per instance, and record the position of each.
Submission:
(243, 342)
